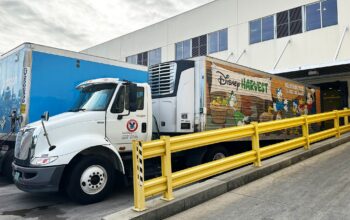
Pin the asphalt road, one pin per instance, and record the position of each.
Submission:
(15, 204)
(317, 188)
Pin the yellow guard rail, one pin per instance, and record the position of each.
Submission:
(167, 145)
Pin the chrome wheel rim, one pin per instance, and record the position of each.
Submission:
(94, 179)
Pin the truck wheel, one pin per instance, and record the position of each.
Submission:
(215, 153)
(7, 165)
(91, 180)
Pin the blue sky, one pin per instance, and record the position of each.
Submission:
(79, 24)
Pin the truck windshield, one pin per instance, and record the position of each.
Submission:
(94, 98)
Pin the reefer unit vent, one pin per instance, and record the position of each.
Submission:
(162, 78)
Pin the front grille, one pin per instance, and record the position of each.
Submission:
(162, 78)
(24, 142)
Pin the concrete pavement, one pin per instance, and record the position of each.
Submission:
(16, 204)
(317, 188)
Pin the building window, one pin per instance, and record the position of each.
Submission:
(132, 59)
(321, 14)
(223, 39)
(154, 56)
(329, 13)
(262, 29)
(217, 41)
(142, 58)
(289, 22)
(267, 28)
(282, 24)
(296, 21)
(199, 46)
(313, 16)
(146, 58)
(213, 42)
(317, 15)
(183, 50)
(255, 31)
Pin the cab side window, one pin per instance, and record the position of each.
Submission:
(140, 98)
(121, 101)
(118, 105)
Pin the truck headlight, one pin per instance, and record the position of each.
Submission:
(24, 143)
(41, 161)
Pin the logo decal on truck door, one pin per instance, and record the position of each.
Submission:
(132, 125)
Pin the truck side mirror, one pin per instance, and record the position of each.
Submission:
(132, 97)
(45, 116)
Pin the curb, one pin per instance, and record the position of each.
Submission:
(192, 195)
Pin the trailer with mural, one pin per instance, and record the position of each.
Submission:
(237, 95)
(206, 93)
(35, 78)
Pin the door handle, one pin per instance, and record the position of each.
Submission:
(144, 127)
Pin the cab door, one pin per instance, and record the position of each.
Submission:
(122, 125)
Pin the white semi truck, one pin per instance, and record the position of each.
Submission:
(36, 78)
(81, 151)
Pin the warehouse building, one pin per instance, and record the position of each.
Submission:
(307, 40)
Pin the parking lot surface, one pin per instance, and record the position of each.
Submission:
(16, 204)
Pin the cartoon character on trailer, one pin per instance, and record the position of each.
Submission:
(295, 111)
(280, 105)
(310, 99)
(267, 116)
(302, 107)
(238, 116)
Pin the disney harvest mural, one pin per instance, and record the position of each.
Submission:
(237, 97)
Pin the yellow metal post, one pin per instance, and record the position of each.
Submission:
(167, 170)
(305, 128)
(346, 118)
(256, 144)
(336, 123)
(138, 176)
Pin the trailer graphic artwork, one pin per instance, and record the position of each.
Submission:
(224, 80)
(237, 97)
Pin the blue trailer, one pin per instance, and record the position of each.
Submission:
(36, 78)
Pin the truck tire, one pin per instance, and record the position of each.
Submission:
(7, 165)
(215, 153)
(91, 180)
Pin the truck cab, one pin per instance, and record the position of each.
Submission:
(82, 150)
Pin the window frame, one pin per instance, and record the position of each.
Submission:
(131, 58)
(176, 52)
(306, 17)
(289, 22)
(283, 24)
(121, 89)
(199, 47)
(218, 41)
(226, 48)
(294, 21)
(320, 15)
(155, 52)
(182, 49)
(216, 33)
(321, 8)
(250, 26)
(274, 26)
